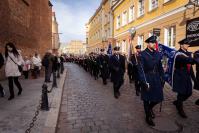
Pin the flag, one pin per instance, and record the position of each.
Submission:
(109, 51)
(168, 58)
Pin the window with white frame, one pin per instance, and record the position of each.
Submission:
(124, 46)
(170, 36)
(141, 41)
(140, 8)
(153, 4)
(118, 22)
(131, 13)
(124, 18)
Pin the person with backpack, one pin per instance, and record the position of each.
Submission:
(2, 93)
(13, 68)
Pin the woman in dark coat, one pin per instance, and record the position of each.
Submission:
(151, 77)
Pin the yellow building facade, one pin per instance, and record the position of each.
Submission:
(169, 17)
(100, 28)
(95, 31)
(75, 47)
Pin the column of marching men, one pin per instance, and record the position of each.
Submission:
(145, 69)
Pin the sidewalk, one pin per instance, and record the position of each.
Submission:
(17, 114)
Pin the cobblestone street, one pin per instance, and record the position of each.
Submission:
(89, 107)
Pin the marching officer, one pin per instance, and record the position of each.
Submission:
(117, 65)
(183, 73)
(103, 63)
(130, 70)
(196, 56)
(135, 60)
(151, 77)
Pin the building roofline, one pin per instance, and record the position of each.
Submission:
(98, 9)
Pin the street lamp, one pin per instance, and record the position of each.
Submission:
(192, 3)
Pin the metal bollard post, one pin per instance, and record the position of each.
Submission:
(44, 99)
(54, 85)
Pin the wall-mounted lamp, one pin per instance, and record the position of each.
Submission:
(192, 3)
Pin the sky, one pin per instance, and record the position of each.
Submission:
(72, 15)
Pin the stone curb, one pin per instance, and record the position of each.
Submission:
(53, 114)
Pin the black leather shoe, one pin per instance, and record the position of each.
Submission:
(150, 122)
(116, 97)
(197, 102)
(10, 98)
(182, 113)
(19, 93)
(2, 93)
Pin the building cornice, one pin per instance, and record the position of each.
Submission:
(96, 12)
(116, 4)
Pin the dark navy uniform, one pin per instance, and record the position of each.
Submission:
(103, 64)
(130, 70)
(196, 56)
(117, 65)
(135, 61)
(183, 73)
(151, 75)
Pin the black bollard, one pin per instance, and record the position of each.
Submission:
(54, 85)
(44, 102)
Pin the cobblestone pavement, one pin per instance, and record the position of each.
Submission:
(89, 107)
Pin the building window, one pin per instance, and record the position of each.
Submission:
(153, 4)
(170, 36)
(118, 22)
(131, 13)
(124, 46)
(140, 8)
(141, 41)
(124, 18)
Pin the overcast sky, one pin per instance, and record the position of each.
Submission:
(72, 15)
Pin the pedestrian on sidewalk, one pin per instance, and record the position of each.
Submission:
(26, 67)
(12, 69)
(2, 93)
(117, 65)
(62, 59)
(36, 61)
(151, 76)
(183, 76)
(47, 62)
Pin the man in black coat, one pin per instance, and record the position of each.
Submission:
(151, 76)
(135, 60)
(183, 75)
(103, 63)
(117, 65)
(2, 93)
(196, 84)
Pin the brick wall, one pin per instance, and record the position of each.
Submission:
(27, 24)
